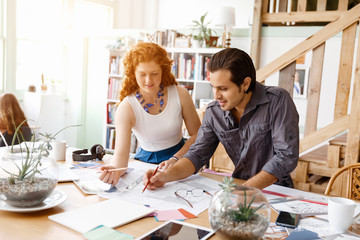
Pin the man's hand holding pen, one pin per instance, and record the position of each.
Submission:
(153, 181)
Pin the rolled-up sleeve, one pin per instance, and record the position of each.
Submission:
(205, 144)
(285, 137)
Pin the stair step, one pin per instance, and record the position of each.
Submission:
(318, 155)
(316, 184)
(340, 140)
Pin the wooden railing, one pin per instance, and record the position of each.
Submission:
(285, 64)
(292, 12)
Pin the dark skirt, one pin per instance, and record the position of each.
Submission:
(159, 156)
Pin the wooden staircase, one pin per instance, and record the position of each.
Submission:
(322, 151)
(317, 166)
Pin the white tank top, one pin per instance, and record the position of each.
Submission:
(161, 131)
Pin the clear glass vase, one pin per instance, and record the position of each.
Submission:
(26, 178)
(227, 213)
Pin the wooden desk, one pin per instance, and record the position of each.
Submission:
(36, 225)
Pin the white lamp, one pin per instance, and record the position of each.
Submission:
(225, 16)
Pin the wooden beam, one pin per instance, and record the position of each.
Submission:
(301, 174)
(321, 5)
(328, 16)
(265, 6)
(345, 71)
(314, 88)
(325, 133)
(333, 156)
(312, 42)
(283, 5)
(301, 7)
(256, 34)
(343, 4)
(286, 78)
(353, 139)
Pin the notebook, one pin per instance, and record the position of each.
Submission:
(111, 213)
(66, 174)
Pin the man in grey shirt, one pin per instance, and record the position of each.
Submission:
(258, 126)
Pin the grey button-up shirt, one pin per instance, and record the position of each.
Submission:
(266, 138)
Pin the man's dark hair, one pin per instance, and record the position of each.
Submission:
(237, 62)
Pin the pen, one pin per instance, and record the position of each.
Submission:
(150, 178)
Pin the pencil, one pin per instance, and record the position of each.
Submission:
(114, 169)
(150, 178)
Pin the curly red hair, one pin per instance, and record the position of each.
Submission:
(145, 52)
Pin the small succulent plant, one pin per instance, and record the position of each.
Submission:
(244, 210)
(32, 156)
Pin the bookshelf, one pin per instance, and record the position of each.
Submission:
(115, 77)
(190, 72)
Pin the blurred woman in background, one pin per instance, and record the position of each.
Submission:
(11, 116)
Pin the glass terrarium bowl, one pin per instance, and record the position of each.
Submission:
(26, 179)
(227, 213)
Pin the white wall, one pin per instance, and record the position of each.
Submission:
(175, 14)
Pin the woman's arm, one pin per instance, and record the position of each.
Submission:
(124, 121)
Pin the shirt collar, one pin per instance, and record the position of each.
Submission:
(258, 97)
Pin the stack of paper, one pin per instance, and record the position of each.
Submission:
(111, 213)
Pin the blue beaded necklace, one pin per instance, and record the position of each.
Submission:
(145, 105)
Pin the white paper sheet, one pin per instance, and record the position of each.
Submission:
(164, 198)
(304, 207)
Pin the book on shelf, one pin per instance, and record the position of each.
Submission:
(134, 144)
(204, 73)
(111, 110)
(110, 138)
(184, 66)
(113, 88)
(116, 66)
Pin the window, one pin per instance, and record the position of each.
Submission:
(39, 44)
(44, 30)
(2, 20)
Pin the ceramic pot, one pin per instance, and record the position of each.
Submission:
(195, 43)
(212, 41)
(226, 218)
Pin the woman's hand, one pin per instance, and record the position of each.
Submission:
(168, 163)
(110, 177)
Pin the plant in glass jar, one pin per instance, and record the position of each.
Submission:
(239, 212)
(27, 174)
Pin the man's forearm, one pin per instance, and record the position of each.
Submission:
(261, 180)
(183, 168)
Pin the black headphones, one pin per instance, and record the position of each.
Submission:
(97, 152)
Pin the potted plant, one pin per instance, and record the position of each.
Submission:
(239, 212)
(203, 32)
(27, 174)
